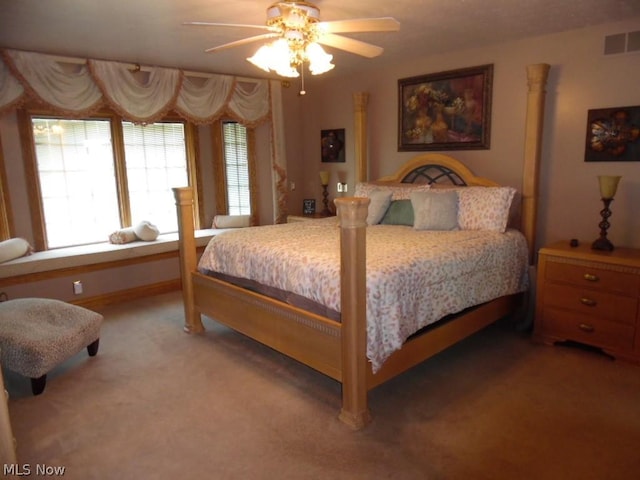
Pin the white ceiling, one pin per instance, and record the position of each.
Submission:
(150, 32)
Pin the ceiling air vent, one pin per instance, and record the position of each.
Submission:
(622, 43)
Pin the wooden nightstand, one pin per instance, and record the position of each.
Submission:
(590, 297)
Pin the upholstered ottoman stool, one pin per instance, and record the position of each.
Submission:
(36, 334)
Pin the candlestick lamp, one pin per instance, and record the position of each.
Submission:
(608, 188)
(324, 181)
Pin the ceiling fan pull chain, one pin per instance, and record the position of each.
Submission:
(302, 90)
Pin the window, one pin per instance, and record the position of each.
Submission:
(156, 161)
(98, 175)
(235, 170)
(236, 162)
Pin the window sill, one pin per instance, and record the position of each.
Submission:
(63, 258)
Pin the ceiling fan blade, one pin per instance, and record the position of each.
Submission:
(382, 24)
(238, 25)
(350, 45)
(243, 41)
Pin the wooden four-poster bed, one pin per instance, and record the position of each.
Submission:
(338, 347)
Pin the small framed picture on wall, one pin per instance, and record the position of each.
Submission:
(332, 145)
(308, 206)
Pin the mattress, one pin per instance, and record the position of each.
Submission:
(414, 278)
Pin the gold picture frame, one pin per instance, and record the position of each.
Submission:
(446, 111)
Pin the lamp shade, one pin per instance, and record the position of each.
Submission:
(324, 177)
(608, 185)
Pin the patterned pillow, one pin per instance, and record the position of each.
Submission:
(484, 208)
(399, 191)
(435, 210)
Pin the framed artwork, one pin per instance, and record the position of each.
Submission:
(308, 206)
(613, 135)
(332, 145)
(446, 110)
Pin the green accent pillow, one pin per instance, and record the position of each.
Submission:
(400, 212)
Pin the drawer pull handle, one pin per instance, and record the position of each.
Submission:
(585, 327)
(589, 277)
(588, 302)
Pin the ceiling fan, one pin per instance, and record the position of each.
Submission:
(298, 35)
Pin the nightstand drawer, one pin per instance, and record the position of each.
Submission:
(587, 329)
(603, 305)
(608, 280)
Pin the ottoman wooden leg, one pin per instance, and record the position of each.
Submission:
(38, 384)
(92, 348)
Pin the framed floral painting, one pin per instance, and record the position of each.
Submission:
(446, 111)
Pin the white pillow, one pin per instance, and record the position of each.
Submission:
(231, 221)
(435, 210)
(14, 248)
(146, 231)
(379, 203)
(484, 208)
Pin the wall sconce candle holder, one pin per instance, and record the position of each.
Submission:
(608, 188)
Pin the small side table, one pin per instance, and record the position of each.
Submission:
(589, 296)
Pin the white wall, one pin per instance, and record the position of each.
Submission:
(581, 78)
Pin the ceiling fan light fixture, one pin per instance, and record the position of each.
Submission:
(283, 61)
(275, 57)
(261, 58)
(319, 60)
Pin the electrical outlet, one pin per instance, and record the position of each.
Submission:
(292, 185)
(341, 187)
(77, 287)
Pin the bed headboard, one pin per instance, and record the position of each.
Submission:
(436, 168)
(441, 169)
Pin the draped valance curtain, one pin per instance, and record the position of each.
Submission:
(79, 89)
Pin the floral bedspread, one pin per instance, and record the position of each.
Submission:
(414, 277)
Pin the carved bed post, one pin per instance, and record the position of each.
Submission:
(186, 241)
(352, 213)
(360, 101)
(537, 80)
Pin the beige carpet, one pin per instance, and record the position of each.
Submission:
(156, 403)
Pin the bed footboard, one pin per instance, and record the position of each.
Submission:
(335, 349)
